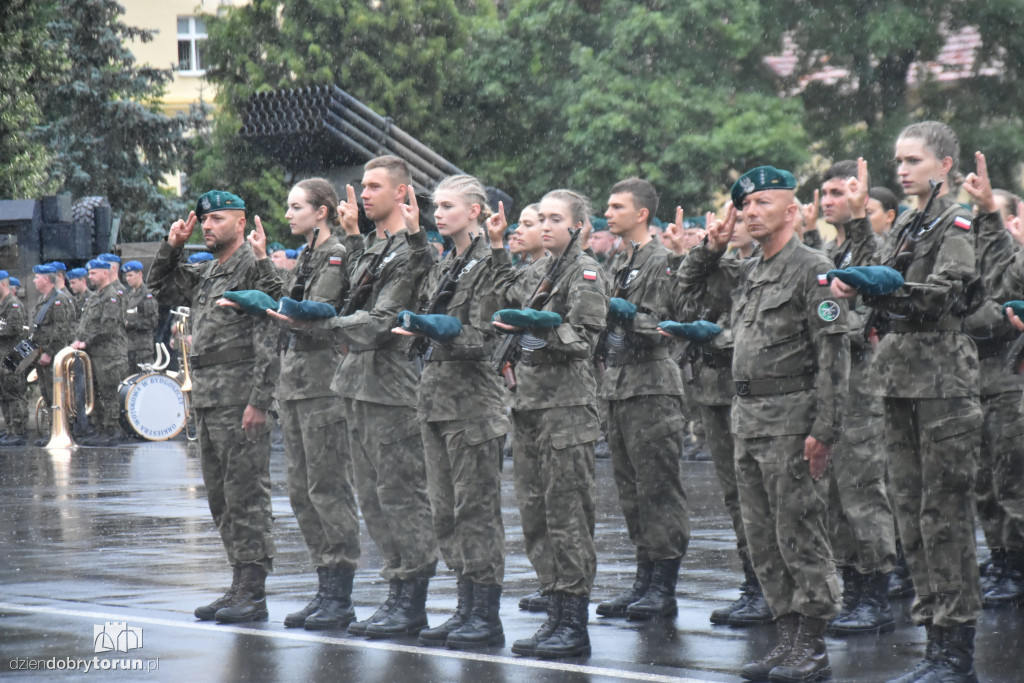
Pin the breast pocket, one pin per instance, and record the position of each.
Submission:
(778, 317)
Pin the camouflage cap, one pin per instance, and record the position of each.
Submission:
(761, 178)
(218, 200)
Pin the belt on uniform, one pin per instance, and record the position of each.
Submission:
(307, 344)
(635, 356)
(945, 325)
(774, 386)
(231, 355)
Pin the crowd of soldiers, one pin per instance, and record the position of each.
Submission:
(839, 442)
(90, 309)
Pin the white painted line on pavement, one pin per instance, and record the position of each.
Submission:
(304, 636)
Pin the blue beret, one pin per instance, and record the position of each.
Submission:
(290, 253)
(200, 257)
(4, 275)
(761, 178)
(131, 266)
(59, 266)
(44, 269)
(15, 282)
(110, 258)
(218, 200)
(76, 273)
(99, 264)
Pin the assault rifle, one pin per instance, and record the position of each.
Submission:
(621, 280)
(506, 356)
(906, 243)
(442, 295)
(361, 291)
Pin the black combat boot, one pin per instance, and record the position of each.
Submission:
(250, 603)
(932, 655)
(409, 615)
(297, 619)
(483, 627)
(873, 614)
(358, 628)
(436, 637)
(853, 589)
(660, 598)
(13, 440)
(786, 625)
(1009, 589)
(901, 584)
(336, 610)
(808, 658)
(534, 602)
(616, 607)
(955, 663)
(754, 609)
(526, 646)
(571, 638)
(208, 612)
(991, 570)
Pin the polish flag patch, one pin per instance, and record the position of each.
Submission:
(823, 279)
(334, 261)
(589, 274)
(962, 223)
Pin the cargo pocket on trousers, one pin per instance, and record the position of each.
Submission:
(664, 428)
(399, 431)
(954, 443)
(485, 430)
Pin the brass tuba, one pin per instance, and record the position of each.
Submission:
(64, 408)
(184, 377)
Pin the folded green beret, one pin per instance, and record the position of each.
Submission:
(440, 327)
(872, 280)
(698, 331)
(761, 178)
(218, 200)
(1017, 306)
(621, 309)
(253, 301)
(305, 310)
(528, 317)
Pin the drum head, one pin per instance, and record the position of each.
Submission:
(153, 406)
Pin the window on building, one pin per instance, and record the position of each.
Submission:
(191, 45)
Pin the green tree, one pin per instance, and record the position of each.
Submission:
(103, 123)
(26, 62)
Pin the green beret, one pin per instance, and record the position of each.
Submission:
(218, 200)
(435, 237)
(305, 310)
(761, 178)
(599, 224)
(253, 301)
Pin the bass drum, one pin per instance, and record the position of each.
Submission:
(152, 406)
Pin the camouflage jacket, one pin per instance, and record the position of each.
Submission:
(638, 357)
(560, 371)
(458, 381)
(101, 326)
(141, 318)
(79, 301)
(935, 285)
(789, 340)
(57, 328)
(13, 319)
(308, 364)
(376, 369)
(234, 359)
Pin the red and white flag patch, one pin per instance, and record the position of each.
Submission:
(823, 279)
(334, 261)
(962, 223)
(589, 274)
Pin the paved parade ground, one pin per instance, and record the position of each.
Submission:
(104, 553)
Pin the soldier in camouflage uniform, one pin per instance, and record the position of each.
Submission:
(933, 417)
(234, 371)
(378, 382)
(860, 514)
(646, 425)
(101, 334)
(791, 364)
(462, 414)
(142, 316)
(312, 417)
(78, 288)
(13, 319)
(53, 326)
(555, 420)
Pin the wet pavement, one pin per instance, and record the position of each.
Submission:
(123, 536)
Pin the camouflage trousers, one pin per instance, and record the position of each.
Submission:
(860, 516)
(320, 479)
(236, 473)
(391, 479)
(645, 436)
(784, 514)
(933, 450)
(463, 460)
(718, 427)
(553, 456)
(13, 401)
(107, 373)
(1000, 484)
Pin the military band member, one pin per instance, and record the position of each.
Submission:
(13, 321)
(78, 288)
(52, 328)
(141, 317)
